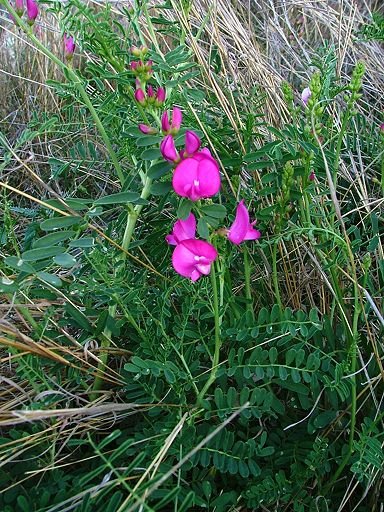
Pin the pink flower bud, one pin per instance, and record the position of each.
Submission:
(193, 258)
(182, 230)
(69, 46)
(192, 143)
(160, 96)
(305, 95)
(150, 92)
(148, 130)
(140, 96)
(135, 51)
(32, 11)
(134, 66)
(241, 228)
(165, 126)
(19, 7)
(168, 149)
(197, 177)
(311, 176)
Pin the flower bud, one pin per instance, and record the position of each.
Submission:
(140, 96)
(148, 130)
(168, 149)
(19, 7)
(32, 11)
(160, 96)
(69, 46)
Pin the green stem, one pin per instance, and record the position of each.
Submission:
(216, 355)
(274, 276)
(247, 280)
(106, 338)
(76, 81)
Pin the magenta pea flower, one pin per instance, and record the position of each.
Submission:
(69, 46)
(168, 149)
(172, 126)
(312, 176)
(305, 95)
(182, 230)
(197, 177)
(32, 11)
(193, 258)
(241, 228)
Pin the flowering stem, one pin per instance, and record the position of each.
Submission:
(128, 233)
(216, 355)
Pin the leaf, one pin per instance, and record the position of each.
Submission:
(161, 189)
(41, 253)
(148, 140)
(50, 279)
(151, 154)
(202, 228)
(158, 170)
(65, 260)
(53, 238)
(119, 198)
(19, 264)
(80, 319)
(60, 222)
(217, 211)
(184, 209)
(83, 243)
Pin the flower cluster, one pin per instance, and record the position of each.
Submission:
(196, 176)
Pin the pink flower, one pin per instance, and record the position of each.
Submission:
(182, 230)
(241, 228)
(197, 177)
(305, 95)
(168, 149)
(148, 130)
(32, 11)
(69, 46)
(193, 258)
(311, 176)
(140, 96)
(174, 126)
(150, 92)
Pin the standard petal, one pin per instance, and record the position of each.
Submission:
(238, 231)
(208, 176)
(184, 175)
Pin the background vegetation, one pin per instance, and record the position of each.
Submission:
(104, 349)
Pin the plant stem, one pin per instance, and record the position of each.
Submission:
(106, 339)
(274, 276)
(247, 280)
(216, 355)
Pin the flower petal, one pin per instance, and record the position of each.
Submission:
(168, 149)
(185, 229)
(238, 231)
(192, 142)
